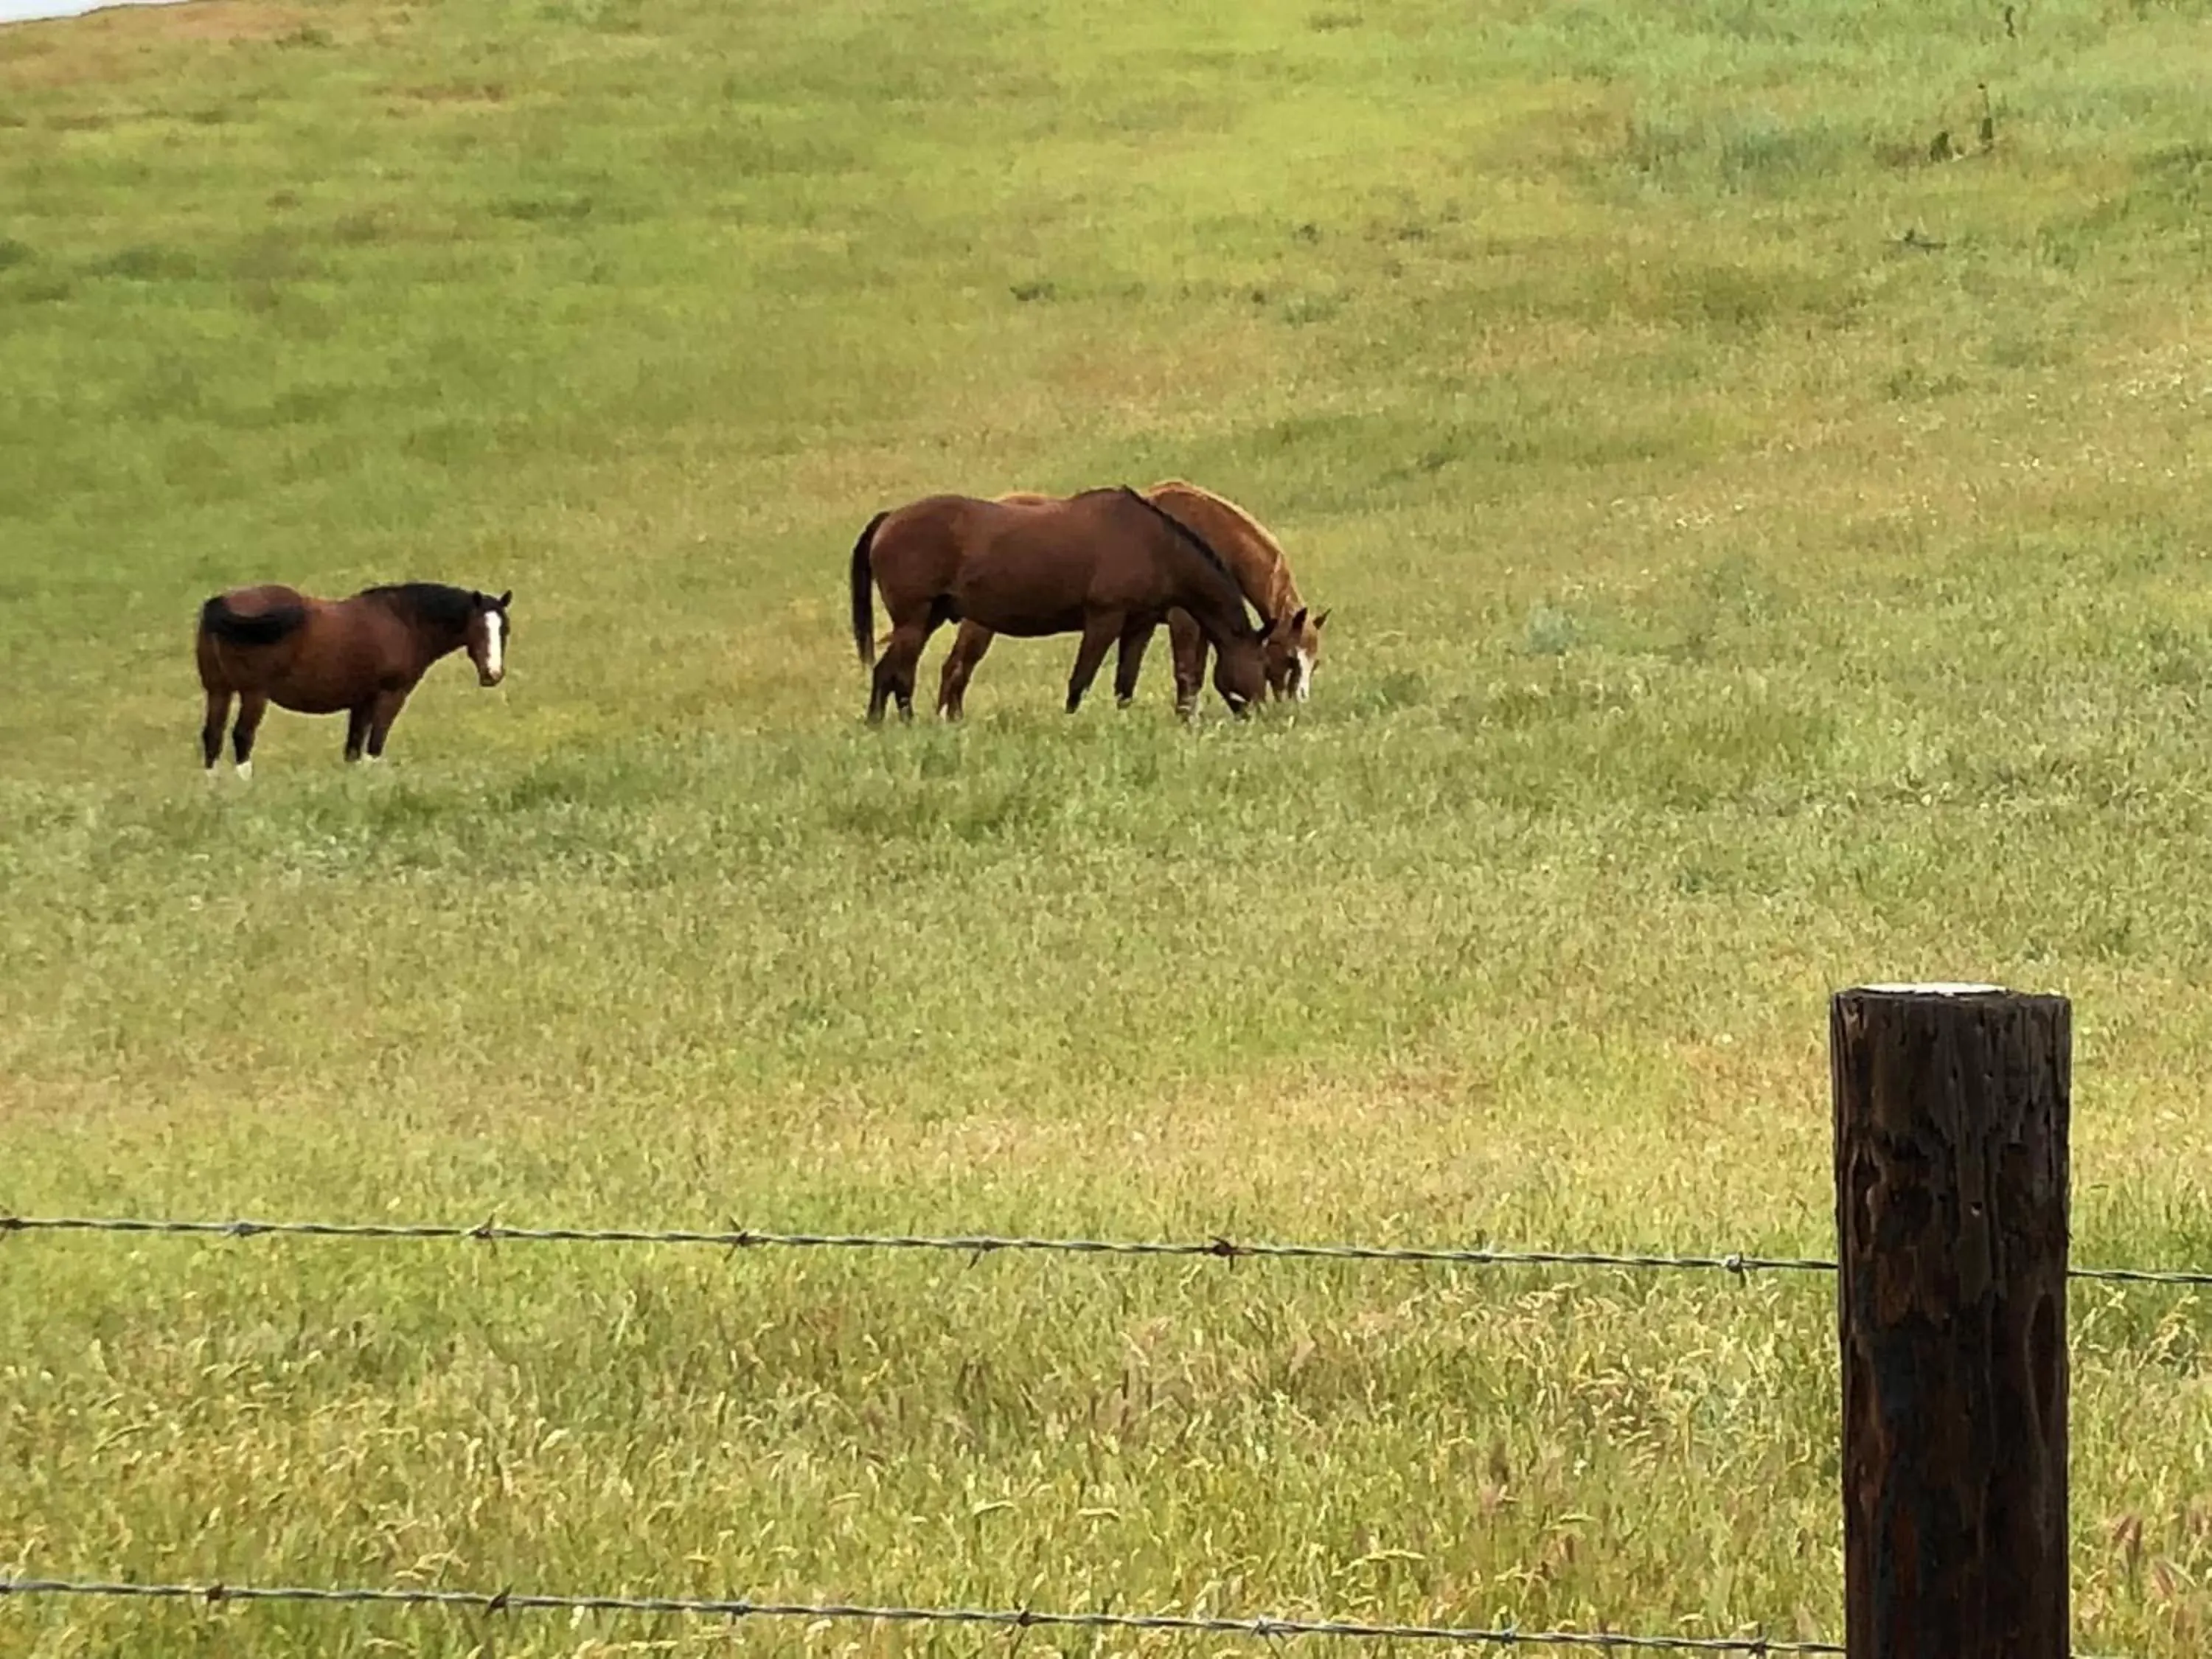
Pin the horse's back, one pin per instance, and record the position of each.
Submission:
(947, 533)
(1020, 524)
(262, 599)
(924, 532)
(259, 616)
(304, 652)
(1024, 565)
(1062, 528)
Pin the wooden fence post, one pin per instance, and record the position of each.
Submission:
(1951, 1192)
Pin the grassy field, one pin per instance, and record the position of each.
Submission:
(1763, 558)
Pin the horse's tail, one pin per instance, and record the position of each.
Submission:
(864, 595)
(263, 628)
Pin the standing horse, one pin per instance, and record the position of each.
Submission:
(1107, 563)
(361, 655)
(1254, 558)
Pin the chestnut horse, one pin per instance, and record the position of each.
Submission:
(1255, 559)
(361, 655)
(1106, 562)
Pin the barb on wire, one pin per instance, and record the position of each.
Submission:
(489, 1231)
(508, 1600)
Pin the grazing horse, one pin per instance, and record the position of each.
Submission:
(363, 655)
(1106, 562)
(1254, 558)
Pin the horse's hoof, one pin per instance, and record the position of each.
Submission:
(246, 771)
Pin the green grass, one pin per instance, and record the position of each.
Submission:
(1733, 600)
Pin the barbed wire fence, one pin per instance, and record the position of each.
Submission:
(15, 1586)
(1017, 1619)
(1218, 1246)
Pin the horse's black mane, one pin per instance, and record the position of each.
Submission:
(1186, 533)
(435, 604)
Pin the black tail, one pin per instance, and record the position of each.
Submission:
(864, 596)
(266, 628)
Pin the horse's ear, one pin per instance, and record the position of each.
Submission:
(1319, 621)
(504, 600)
(1298, 621)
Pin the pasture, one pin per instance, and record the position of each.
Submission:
(1762, 558)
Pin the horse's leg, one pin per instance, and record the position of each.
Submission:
(218, 714)
(968, 649)
(1100, 630)
(357, 730)
(385, 710)
(252, 706)
(879, 683)
(1189, 644)
(894, 668)
(910, 665)
(1134, 638)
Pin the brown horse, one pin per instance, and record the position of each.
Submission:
(1106, 562)
(1254, 558)
(363, 655)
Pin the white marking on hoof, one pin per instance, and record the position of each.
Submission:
(246, 771)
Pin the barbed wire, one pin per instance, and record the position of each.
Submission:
(735, 1238)
(959, 1243)
(2142, 1275)
(508, 1600)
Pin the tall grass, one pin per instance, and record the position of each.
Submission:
(1763, 558)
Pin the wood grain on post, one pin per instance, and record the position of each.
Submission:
(1951, 1193)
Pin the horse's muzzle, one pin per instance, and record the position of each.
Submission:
(485, 679)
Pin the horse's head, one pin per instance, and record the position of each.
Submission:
(1291, 647)
(489, 630)
(1240, 669)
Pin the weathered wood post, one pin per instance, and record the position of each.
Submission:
(1951, 1191)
